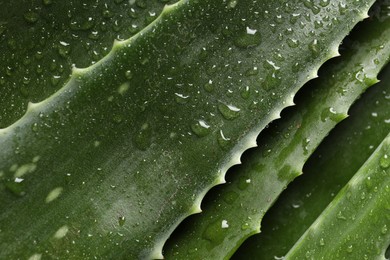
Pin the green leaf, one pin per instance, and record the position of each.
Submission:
(110, 164)
(40, 40)
(339, 156)
(355, 224)
(234, 211)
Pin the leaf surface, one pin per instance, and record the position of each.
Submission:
(234, 211)
(340, 156)
(54, 35)
(129, 146)
(355, 224)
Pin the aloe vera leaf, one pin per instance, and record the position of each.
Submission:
(51, 36)
(304, 200)
(119, 162)
(235, 210)
(340, 156)
(355, 224)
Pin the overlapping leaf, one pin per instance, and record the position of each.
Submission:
(338, 158)
(235, 210)
(129, 146)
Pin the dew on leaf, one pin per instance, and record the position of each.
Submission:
(246, 40)
(385, 161)
(61, 232)
(222, 140)
(31, 17)
(121, 220)
(53, 194)
(122, 89)
(245, 92)
(128, 74)
(229, 112)
(201, 128)
(181, 99)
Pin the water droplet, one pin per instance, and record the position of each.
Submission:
(322, 242)
(324, 3)
(223, 141)
(341, 216)
(385, 161)
(201, 128)
(121, 220)
(384, 229)
(224, 224)
(331, 114)
(15, 186)
(313, 47)
(181, 99)
(245, 226)
(247, 40)
(123, 88)
(245, 92)
(128, 74)
(53, 194)
(61, 232)
(292, 43)
(243, 183)
(214, 233)
(232, 4)
(252, 71)
(350, 249)
(209, 87)
(31, 17)
(305, 144)
(229, 112)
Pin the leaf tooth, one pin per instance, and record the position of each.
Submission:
(118, 44)
(77, 72)
(32, 106)
(157, 251)
(196, 207)
(363, 15)
(312, 74)
(334, 51)
(290, 101)
(170, 7)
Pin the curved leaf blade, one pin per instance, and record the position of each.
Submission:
(114, 144)
(341, 154)
(355, 224)
(283, 150)
(54, 35)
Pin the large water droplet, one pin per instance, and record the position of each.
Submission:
(121, 220)
(31, 17)
(181, 99)
(201, 128)
(250, 38)
(214, 233)
(223, 141)
(385, 161)
(330, 113)
(229, 112)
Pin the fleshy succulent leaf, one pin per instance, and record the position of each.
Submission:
(52, 36)
(337, 156)
(283, 149)
(355, 224)
(340, 156)
(114, 160)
